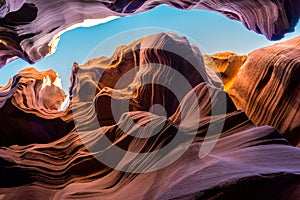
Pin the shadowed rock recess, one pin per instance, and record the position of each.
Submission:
(29, 106)
(30, 29)
(247, 162)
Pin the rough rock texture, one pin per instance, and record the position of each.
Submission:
(29, 29)
(267, 88)
(29, 109)
(241, 165)
(227, 64)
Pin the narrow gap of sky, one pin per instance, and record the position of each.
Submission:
(213, 31)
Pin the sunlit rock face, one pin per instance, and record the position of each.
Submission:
(29, 107)
(267, 88)
(241, 165)
(227, 64)
(147, 72)
(30, 29)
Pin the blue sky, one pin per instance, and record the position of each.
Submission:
(213, 31)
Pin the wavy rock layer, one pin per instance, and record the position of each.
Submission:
(29, 29)
(267, 88)
(241, 164)
(147, 72)
(29, 107)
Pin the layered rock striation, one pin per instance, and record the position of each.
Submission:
(30, 109)
(267, 88)
(119, 153)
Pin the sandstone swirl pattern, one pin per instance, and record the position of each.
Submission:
(242, 165)
(29, 107)
(267, 88)
(29, 29)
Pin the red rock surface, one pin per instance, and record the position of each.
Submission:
(267, 88)
(29, 112)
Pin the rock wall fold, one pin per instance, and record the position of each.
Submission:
(267, 88)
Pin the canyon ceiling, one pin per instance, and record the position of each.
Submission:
(29, 29)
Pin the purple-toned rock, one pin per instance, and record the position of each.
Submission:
(108, 162)
(30, 29)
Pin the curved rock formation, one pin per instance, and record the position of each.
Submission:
(29, 107)
(241, 164)
(227, 64)
(147, 72)
(267, 88)
(30, 29)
